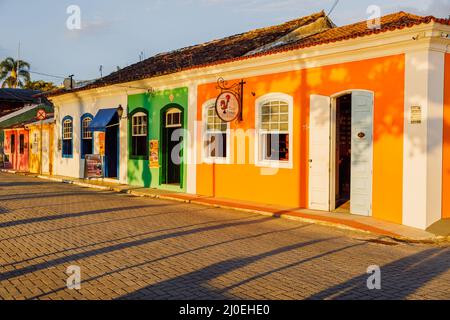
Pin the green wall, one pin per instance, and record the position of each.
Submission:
(139, 173)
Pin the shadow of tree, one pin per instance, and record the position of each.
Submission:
(120, 246)
(76, 215)
(122, 238)
(117, 271)
(399, 279)
(195, 285)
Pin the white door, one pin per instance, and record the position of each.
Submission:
(319, 153)
(45, 151)
(362, 150)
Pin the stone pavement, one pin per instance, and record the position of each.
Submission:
(141, 248)
(341, 220)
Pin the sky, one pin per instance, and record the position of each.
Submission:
(114, 33)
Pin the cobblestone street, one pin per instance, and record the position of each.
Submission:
(138, 248)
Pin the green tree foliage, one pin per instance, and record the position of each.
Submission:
(40, 85)
(14, 74)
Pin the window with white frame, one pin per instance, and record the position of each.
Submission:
(139, 133)
(86, 135)
(274, 129)
(173, 118)
(67, 129)
(215, 134)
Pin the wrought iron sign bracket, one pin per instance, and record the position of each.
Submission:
(237, 89)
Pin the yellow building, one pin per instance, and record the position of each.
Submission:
(41, 148)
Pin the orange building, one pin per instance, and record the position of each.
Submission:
(348, 121)
(310, 115)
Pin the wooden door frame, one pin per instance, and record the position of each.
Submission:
(162, 145)
(333, 168)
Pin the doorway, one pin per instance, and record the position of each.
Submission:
(172, 151)
(342, 151)
(46, 151)
(112, 148)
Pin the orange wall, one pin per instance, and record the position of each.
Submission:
(446, 143)
(384, 76)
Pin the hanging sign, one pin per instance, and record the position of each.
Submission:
(154, 154)
(93, 166)
(229, 101)
(227, 106)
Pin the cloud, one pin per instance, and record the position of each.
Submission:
(92, 26)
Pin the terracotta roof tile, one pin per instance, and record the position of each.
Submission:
(236, 47)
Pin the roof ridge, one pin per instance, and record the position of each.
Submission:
(234, 50)
(318, 14)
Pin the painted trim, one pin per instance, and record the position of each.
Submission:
(82, 151)
(258, 104)
(205, 158)
(163, 158)
(66, 156)
(333, 98)
(191, 178)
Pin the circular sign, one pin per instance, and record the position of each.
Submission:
(227, 106)
(41, 114)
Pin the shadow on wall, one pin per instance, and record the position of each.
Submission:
(139, 173)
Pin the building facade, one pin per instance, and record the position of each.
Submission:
(333, 118)
(16, 149)
(74, 138)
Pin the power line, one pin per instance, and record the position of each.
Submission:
(47, 75)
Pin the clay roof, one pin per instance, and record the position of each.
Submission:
(246, 45)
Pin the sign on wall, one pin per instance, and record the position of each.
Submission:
(93, 166)
(416, 115)
(154, 154)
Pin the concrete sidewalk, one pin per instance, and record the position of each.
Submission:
(340, 220)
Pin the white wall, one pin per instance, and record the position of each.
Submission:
(422, 158)
(74, 167)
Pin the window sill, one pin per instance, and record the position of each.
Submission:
(275, 164)
(67, 156)
(216, 160)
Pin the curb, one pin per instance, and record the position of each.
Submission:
(324, 222)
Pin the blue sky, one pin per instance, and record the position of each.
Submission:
(113, 32)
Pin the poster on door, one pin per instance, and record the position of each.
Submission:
(101, 143)
(154, 154)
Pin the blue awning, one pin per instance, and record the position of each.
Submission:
(102, 119)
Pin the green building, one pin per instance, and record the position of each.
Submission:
(156, 143)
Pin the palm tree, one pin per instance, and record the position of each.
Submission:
(14, 73)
